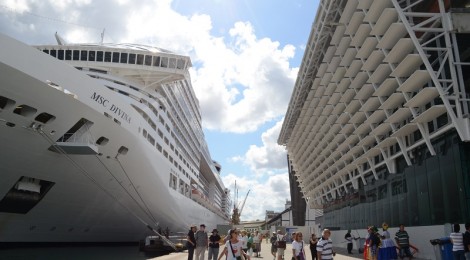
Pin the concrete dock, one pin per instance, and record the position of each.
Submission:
(341, 254)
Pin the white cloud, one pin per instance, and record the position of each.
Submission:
(265, 194)
(270, 155)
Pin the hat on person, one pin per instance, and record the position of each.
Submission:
(215, 230)
(192, 225)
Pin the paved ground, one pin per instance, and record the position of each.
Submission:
(341, 254)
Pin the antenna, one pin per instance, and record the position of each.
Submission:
(102, 36)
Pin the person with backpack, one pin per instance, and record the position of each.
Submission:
(280, 244)
(273, 240)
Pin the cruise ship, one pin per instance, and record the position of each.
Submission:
(378, 125)
(102, 143)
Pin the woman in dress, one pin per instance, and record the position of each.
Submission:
(233, 248)
(387, 249)
(298, 247)
(313, 246)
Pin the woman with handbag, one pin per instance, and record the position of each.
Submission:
(233, 248)
(298, 252)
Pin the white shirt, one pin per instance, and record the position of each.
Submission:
(256, 239)
(297, 246)
(244, 240)
(237, 248)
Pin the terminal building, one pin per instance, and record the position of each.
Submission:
(378, 125)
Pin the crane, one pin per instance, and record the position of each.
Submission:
(243, 204)
(237, 210)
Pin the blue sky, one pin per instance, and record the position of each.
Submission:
(245, 55)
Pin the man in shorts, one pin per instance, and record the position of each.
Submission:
(273, 245)
(280, 249)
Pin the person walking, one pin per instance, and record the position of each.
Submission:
(313, 246)
(457, 243)
(233, 248)
(273, 240)
(244, 240)
(325, 246)
(191, 242)
(214, 245)
(349, 240)
(403, 241)
(202, 242)
(257, 238)
(298, 252)
(280, 244)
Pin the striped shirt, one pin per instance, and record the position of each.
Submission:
(403, 238)
(325, 247)
(457, 241)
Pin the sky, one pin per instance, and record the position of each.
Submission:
(245, 55)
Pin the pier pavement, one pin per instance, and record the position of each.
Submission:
(341, 254)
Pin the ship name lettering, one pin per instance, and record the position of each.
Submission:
(120, 113)
(99, 99)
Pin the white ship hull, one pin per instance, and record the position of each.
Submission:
(102, 197)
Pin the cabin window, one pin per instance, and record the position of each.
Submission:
(99, 56)
(131, 58)
(102, 141)
(180, 64)
(123, 57)
(53, 53)
(148, 60)
(117, 121)
(84, 55)
(151, 140)
(76, 55)
(25, 110)
(45, 118)
(107, 56)
(172, 63)
(6, 103)
(164, 63)
(68, 55)
(91, 55)
(159, 147)
(45, 51)
(60, 55)
(140, 59)
(115, 57)
(156, 61)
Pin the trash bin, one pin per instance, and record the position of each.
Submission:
(442, 248)
(360, 244)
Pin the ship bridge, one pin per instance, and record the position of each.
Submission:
(148, 66)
